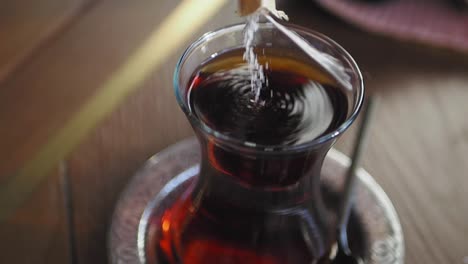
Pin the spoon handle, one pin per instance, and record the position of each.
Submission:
(351, 179)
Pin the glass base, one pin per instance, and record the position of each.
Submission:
(374, 229)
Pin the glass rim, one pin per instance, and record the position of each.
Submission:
(268, 149)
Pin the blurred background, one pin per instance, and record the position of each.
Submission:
(70, 138)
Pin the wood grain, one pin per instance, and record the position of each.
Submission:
(109, 95)
(26, 25)
(44, 93)
(37, 232)
(147, 122)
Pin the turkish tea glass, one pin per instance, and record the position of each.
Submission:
(253, 203)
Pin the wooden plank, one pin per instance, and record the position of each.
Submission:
(25, 25)
(37, 232)
(101, 166)
(47, 90)
(47, 83)
(127, 77)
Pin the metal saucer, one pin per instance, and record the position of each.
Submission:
(374, 226)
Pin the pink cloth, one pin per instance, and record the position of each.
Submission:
(435, 22)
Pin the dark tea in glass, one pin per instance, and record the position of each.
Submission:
(257, 198)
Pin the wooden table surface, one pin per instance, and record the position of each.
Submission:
(54, 55)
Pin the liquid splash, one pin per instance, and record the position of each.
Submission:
(258, 79)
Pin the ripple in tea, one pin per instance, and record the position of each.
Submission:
(297, 102)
